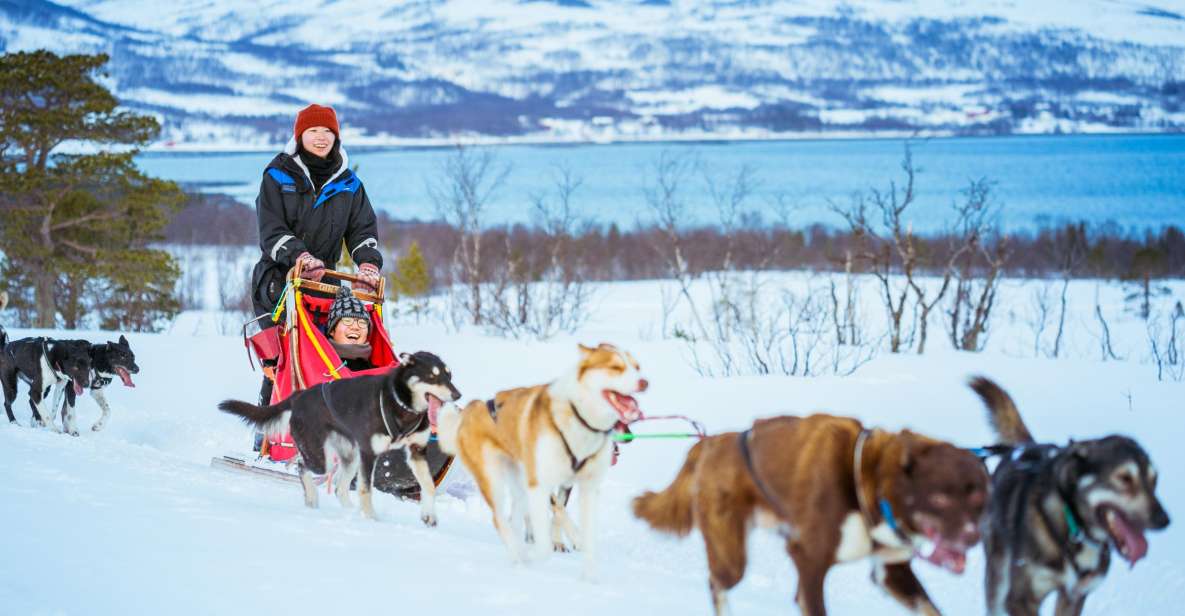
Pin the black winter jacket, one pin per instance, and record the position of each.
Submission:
(293, 219)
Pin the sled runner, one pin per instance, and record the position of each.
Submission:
(294, 352)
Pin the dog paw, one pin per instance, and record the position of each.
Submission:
(560, 547)
(96, 427)
(428, 519)
(73, 433)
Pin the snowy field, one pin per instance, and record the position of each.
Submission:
(134, 520)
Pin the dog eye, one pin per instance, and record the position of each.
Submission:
(1127, 481)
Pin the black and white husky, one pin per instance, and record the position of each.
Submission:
(1056, 513)
(46, 366)
(110, 360)
(357, 419)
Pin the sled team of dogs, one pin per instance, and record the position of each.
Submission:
(58, 371)
(835, 489)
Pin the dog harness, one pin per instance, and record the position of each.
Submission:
(1035, 460)
(579, 464)
(395, 436)
(886, 509)
(45, 350)
(746, 454)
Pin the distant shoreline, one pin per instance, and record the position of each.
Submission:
(372, 144)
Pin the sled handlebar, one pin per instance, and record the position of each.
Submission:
(377, 297)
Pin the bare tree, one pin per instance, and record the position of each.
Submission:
(468, 180)
(1040, 306)
(664, 198)
(887, 246)
(542, 290)
(1068, 253)
(1105, 349)
(977, 262)
(1166, 339)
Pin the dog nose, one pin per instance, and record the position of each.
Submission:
(1160, 518)
(643, 384)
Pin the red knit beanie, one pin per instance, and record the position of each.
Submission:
(316, 115)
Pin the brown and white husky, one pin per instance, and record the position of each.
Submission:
(529, 442)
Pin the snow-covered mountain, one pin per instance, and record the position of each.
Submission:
(222, 72)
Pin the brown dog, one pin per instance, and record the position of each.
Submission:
(530, 442)
(837, 492)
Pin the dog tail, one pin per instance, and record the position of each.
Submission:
(1002, 413)
(671, 509)
(448, 425)
(267, 419)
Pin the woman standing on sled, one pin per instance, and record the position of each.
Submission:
(309, 203)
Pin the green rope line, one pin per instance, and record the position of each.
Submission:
(625, 438)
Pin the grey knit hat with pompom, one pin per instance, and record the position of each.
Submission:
(345, 305)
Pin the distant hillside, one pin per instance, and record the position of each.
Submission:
(228, 73)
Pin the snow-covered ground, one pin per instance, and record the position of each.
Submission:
(134, 520)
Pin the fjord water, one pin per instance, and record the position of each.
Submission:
(1136, 181)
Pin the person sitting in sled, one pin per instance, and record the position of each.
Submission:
(309, 203)
(348, 330)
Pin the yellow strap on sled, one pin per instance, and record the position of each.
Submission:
(308, 332)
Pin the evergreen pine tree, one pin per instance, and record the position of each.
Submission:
(77, 226)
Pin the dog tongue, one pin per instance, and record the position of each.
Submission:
(125, 377)
(433, 408)
(943, 553)
(948, 558)
(77, 388)
(626, 406)
(1129, 539)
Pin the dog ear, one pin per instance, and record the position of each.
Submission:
(123, 341)
(907, 452)
(406, 359)
(585, 351)
(1074, 465)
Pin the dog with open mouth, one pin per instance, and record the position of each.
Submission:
(48, 367)
(1056, 512)
(530, 442)
(357, 419)
(837, 491)
(108, 361)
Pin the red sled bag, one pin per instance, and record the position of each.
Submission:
(302, 354)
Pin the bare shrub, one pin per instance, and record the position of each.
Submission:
(1041, 301)
(1106, 350)
(1166, 341)
(468, 181)
(775, 330)
(886, 246)
(542, 291)
(234, 290)
(191, 283)
(977, 262)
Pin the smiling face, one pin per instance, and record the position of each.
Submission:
(614, 376)
(429, 382)
(318, 141)
(350, 330)
(942, 494)
(75, 363)
(1114, 484)
(122, 360)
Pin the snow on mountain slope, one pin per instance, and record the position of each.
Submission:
(133, 519)
(623, 69)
